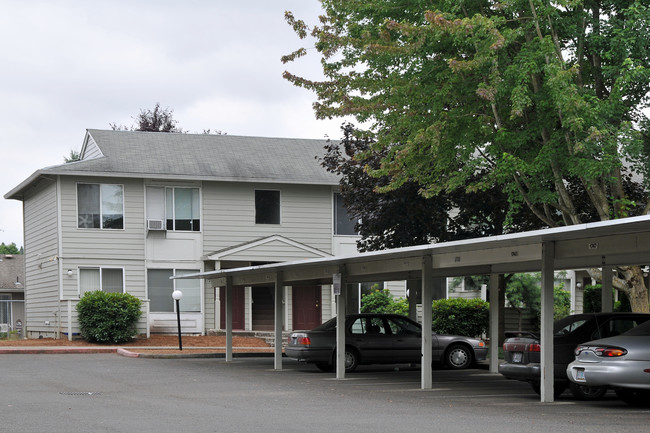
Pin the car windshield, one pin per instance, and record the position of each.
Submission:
(569, 324)
(643, 330)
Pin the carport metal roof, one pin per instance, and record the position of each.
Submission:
(601, 244)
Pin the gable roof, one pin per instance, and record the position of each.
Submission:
(273, 248)
(162, 155)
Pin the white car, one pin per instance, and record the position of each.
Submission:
(621, 362)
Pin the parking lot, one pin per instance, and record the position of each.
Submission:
(109, 393)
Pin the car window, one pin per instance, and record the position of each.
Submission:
(399, 326)
(643, 330)
(330, 324)
(570, 327)
(614, 327)
(368, 326)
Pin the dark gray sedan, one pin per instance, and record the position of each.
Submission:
(381, 339)
(621, 362)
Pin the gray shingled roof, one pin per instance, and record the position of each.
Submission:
(199, 157)
(12, 269)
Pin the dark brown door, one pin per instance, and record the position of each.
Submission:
(306, 307)
(237, 307)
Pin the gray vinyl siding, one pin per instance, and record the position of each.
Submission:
(103, 248)
(229, 215)
(92, 150)
(41, 260)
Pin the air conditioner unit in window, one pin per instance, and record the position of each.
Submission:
(155, 225)
(4, 327)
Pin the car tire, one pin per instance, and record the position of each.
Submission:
(351, 359)
(558, 388)
(458, 357)
(633, 397)
(584, 392)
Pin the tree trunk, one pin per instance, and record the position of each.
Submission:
(638, 292)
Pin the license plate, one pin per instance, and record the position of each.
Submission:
(580, 374)
(516, 357)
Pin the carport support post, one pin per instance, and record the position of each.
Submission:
(606, 291)
(340, 331)
(427, 321)
(228, 309)
(494, 323)
(546, 340)
(279, 284)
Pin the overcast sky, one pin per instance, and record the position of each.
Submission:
(68, 66)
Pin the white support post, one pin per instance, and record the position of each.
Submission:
(279, 286)
(340, 332)
(69, 319)
(607, 285)
(427, 321)
(228, 293)
(546, 341)
(494, 323)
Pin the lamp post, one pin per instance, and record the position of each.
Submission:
(177, 295)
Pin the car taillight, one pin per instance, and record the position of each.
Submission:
(535, 347)
(603, 351)
(303, 340)
(610, 352)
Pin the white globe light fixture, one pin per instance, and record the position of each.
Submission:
(177, 295)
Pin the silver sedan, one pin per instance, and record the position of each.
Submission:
(621, 362)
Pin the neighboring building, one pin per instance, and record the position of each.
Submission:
(12, 292)
(140, 207)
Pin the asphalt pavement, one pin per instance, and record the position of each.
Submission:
(105, 392)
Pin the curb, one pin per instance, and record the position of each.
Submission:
(126, 353)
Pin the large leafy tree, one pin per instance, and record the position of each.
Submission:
(545, 99)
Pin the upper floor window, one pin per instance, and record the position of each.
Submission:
(267, 207)
(343, 224)
(104, 279)
(179, 207)
(100, 206)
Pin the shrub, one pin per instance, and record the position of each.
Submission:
(592, 300)
(382, 301)
(108, 317)
(469, 317)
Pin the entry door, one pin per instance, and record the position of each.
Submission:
(306, 307)
(238, 322)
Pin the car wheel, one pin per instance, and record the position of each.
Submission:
(633, 397)
(324, 366)
(558, 388)
(351, 359)
(584, 392)
(458, 357)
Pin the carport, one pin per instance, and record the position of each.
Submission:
(595, 245)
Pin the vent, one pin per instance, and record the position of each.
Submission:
(155, 225)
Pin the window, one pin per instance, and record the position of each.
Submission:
(100, 206)
(267, 207)
(5, 309)
(104, 279)
(343, 224)
(179, 207)
(161, 288)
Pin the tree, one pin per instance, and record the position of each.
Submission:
(156, 120)
(74, 156)
(10, 249)
(545, 99)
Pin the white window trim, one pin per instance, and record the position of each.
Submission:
(101, 211)
(80, 268)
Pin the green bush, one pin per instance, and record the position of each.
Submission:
(469, 317)
(382, 301)
(592, 300)
(108, 317)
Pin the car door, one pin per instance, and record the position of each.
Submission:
(368, 334)
(406, 338)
